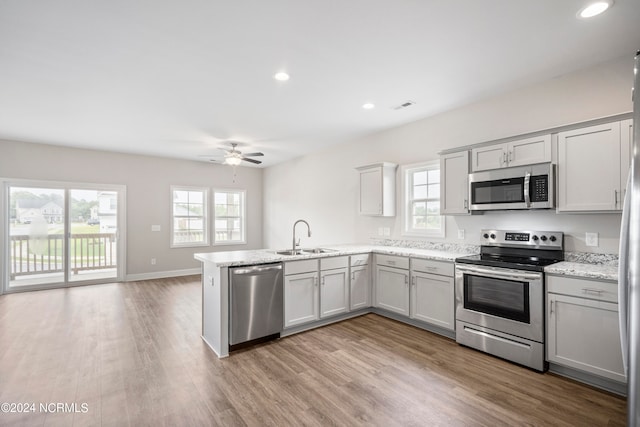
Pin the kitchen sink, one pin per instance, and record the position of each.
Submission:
(305, 251)
(316, 250)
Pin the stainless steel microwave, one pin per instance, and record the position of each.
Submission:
(522, 187)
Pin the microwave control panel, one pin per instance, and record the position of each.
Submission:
(539, 188)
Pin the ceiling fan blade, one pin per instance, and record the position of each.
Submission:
(253, 154)
(257, 162)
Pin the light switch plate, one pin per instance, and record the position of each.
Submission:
(591, 239)
(461, 233)
(155, 228)
(380, 231)
(387, 231)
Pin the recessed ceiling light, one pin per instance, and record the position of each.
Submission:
(368, 106)
(281, 76)
(595, 8)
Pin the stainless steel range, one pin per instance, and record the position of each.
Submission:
(500, 294)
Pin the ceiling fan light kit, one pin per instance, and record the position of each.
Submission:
(235, 157)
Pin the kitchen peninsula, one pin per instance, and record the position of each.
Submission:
(433, 266)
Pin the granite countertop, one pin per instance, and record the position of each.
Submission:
(263, 256)
(577, 264)
(586, 265)
(579, 269)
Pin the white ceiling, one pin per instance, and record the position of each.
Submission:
(177, 78)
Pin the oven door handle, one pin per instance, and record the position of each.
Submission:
(509, 274)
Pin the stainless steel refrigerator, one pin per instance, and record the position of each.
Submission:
(629, 267)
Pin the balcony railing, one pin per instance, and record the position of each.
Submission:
(95, 251)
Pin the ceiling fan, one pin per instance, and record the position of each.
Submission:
(234, 157)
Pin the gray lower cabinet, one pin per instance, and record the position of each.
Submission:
(334, 286)
(301, 292)
(392, 283)
(432, 293)
(582, 326)
(360, 282)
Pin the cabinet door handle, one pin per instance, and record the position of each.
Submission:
(466, 204)
(551, 311)
(592, 291)
(504, 158)
(406, 279)
(353, 275)
(315, 280)
(615, 198)
(391, 262)
(510, 156)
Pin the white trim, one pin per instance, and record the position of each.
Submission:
(404, 170)
(4, 233)
(163, 274)
(243, 217)
(205, 217)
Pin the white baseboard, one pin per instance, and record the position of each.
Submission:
(163, 274)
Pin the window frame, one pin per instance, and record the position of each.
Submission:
(205, 217)
(407, 172)
(242, 217)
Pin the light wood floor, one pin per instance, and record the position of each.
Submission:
(132, 352)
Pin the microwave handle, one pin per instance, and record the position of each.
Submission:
(527, 197)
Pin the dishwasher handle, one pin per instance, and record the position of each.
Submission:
(257, 269)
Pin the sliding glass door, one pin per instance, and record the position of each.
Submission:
(63, 234)
(37, 251)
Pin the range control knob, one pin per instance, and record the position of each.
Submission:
(553, 238)
(485, 235)
(543, 238)
(535, 238)
(493, 236)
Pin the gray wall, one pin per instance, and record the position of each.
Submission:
(148, 180)
(325, 189)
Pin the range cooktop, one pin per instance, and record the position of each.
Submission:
(521, 250)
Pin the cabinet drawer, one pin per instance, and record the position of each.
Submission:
(433, 267)
(334, 262)
(583, 288)
(392, 261)
(304, 266)
(359, 260)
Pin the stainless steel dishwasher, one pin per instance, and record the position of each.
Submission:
(256, 304)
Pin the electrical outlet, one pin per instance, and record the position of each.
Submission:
(380, 231)
(153, 261)
(591, 239)
(387, 231)
(155, 228)
(461, 233)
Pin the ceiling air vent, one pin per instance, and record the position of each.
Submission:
(404, 105)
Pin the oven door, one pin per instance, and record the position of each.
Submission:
(502, 299)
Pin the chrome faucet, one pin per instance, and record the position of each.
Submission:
(293, 249)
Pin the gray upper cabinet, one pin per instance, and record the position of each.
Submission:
(515, 153)
(454, 183)
(593, 163)
(377, 189)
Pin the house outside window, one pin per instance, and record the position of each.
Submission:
(189, 217)
(421, 201)
(229, 217)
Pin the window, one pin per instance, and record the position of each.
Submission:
(189, 217)
(229, 221)
(422, 200)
